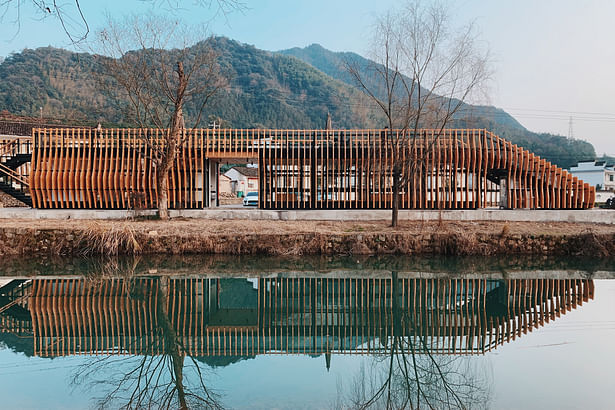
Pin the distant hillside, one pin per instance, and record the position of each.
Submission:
(270, 90)
(332, 64)
(59, 81)
(558, 149)
(276, 91)
(266, 89)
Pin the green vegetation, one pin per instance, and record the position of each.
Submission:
(291, 89)
(555, 148)
(266, 90)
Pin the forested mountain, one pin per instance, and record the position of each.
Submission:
(58, 81)
(265, 90)
(276, 91)
(558, 149)
(292, 89)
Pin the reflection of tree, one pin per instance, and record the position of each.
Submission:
(157, 379)
(410, 375)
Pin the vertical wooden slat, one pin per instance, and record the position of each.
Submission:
(50, 177)
(104, 169)
(38, 164)
(97, 170)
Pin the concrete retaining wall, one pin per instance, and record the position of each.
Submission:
(602, 216)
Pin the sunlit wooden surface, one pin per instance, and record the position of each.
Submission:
(301, 169)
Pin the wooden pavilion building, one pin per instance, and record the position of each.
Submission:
(297, 169)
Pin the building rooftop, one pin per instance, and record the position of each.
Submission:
(597, 166)
(246, 171)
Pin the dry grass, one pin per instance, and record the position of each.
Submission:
(191, 227)
(109, 239)
(505, 230)
(113, 268)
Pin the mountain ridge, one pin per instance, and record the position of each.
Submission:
(332, 64)
(558, 149)
(266, 90)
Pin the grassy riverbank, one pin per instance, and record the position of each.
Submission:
(192, 236)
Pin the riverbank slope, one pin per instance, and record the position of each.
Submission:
(238, 237)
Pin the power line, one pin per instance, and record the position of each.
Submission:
(559, 111)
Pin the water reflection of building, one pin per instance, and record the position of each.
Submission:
(246, 317)
(14, 315)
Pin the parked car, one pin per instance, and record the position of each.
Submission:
(610, 203)
(250, 199)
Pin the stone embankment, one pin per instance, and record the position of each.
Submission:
(49, 238)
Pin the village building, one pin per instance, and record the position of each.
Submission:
(224, 185)
(243, 179)
(599, 174)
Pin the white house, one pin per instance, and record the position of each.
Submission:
(243, 179)
(597, 173)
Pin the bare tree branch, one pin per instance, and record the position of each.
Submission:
(414, 376)
(421, 74)
(156, 68)
(156, 379)
(74, 22)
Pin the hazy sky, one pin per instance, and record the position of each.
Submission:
(553, 59)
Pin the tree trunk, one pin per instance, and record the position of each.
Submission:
(395, 210)
(171, 144)
(178, 371)
(162, 184)
(171, 345)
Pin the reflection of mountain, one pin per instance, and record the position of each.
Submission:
(222, 361)
(241, 318)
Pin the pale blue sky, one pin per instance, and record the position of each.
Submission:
(553, 59)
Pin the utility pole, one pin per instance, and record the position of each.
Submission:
(570, 133)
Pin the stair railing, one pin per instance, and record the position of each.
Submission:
(13, 175)
(13, 303)
(9, 149)
(15, 146)
(19, 296)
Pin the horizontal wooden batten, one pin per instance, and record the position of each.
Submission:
(302, 169)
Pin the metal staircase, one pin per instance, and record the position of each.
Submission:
(15, 157)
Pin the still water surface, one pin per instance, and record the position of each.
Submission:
(307, 334)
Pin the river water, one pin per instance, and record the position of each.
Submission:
(307, 333)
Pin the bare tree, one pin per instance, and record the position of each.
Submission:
(408, 374)
(420, 75)
(155, 67)
(158, 377)
(74, 21)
